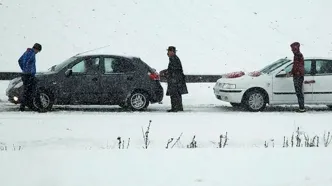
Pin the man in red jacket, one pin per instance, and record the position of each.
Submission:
(298, 74)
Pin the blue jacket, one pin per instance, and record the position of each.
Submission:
(27, 62)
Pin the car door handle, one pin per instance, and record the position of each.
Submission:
(309, 82)
(94, 79)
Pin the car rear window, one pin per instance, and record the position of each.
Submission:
(151, 70)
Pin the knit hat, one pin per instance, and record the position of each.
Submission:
(37, 46)
(295, 44)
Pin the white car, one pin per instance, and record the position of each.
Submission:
(271, 85)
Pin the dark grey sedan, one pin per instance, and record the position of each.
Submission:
(95, 80)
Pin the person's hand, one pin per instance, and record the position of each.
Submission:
(288, 74)
(163, 73)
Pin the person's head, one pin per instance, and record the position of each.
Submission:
(295, 47)
(171, 51)
(37, 47)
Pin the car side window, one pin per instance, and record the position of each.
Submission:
(289, 68)
(117, 65)
(79, 67)
(307, 67)
(108, 65)
(87, 66)
(323, 67)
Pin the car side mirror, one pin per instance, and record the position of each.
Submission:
(69, 72)
(281, 74)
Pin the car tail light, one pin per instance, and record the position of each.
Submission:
(154, 76)
(234, 74)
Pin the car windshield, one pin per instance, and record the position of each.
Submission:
(270, 68)
(58, 67)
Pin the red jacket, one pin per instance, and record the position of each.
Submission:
(298, 65)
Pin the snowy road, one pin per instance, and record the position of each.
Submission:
(200, 99)
(50, 146)
(95, 126)
(8, 108)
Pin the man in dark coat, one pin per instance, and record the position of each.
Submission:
(176, 80)
(298, 74)
(27, 63)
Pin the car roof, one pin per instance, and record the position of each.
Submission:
(313, 58)
(108, 55)
(317, 58)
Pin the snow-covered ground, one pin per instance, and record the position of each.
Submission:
(196, 167)
(79, 146)
(81, 127)
(213, 37)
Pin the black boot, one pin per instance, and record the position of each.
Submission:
(22, 108)
(171, 110)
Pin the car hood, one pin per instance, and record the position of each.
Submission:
(39, 74)
(45, 73)
(241, 75)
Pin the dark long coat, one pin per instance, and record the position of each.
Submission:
(175, 77)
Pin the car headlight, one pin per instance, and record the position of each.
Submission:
(13, 82)
(18, 85)
(10, 85)
(229, 86)
(218, 84)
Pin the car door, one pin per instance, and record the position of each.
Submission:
(117, 79)
(283, 86)
(84, 82)
(322, 87)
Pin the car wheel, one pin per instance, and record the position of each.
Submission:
(329, 106)
(46, 100)
(255, 101)
(138, 101)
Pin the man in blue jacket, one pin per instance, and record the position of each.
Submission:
(27, 64)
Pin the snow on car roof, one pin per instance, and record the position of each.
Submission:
(114, 55)
(312, 57)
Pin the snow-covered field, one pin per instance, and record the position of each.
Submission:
(79, 146)
(196, 167)
(96, 127)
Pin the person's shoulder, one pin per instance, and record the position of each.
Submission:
(177, 57)
(28, 51)
(300, 54)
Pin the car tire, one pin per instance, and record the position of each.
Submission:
(47, 100)
(138, 101)
(329, 106)
(255, 101)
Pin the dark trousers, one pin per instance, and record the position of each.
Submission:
(176, 101)
(298, 85)
(29, 92)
